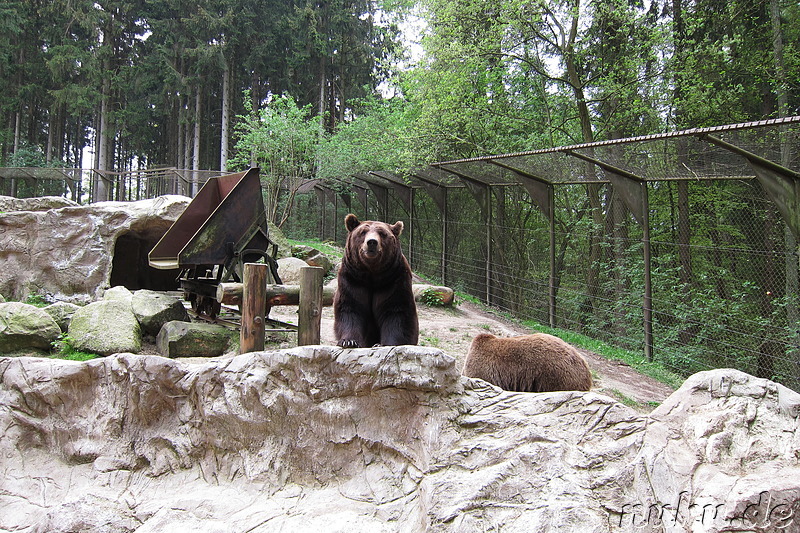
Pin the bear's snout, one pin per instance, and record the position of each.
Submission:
(372, 244)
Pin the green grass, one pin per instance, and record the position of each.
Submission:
(625, 400)
(427, 340)
(464, 297)
(64, 349)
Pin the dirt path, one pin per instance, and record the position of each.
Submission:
(452, 330)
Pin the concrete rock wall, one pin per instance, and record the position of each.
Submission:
(68, 251)
(386, 439)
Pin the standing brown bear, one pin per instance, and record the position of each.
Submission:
(374, 303)
(527, 363)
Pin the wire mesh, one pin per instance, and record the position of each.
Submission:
(724, 267)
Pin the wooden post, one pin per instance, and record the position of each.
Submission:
(310, 311)
(254, 303)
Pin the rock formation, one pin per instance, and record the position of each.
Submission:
(75, 252)
(192, 339)
(25, 327)
(154, 309)
(385, 439)
(106, 327)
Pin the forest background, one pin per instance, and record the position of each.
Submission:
(327, 89)
(176, 83)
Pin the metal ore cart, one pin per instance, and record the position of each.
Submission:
(222, 228)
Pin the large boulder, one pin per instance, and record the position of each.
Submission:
(24, 327)
(385, 439)
(62, 313)
(118, 293)
(277, 236)
(433, 295)
(106, 327)
(70, 252)
(191, 339)
(289, 270)
(154, 309)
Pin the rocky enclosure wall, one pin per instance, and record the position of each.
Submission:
(71, 251)
(386, 439)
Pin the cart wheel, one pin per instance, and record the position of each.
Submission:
(207, 306)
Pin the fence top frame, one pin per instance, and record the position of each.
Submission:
(689, 155)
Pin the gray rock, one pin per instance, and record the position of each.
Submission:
(25, 327)
(68, 252)
(118, 293)
(388, 439)
(62, 313)
(289, 270)
(154, 309)
(312, 256)
(191, 339)
(437, 296)
(2, 299)
(41, 203)
(106, 327)
(277, 236)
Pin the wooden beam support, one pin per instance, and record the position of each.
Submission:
(310, 311)
(251, 335)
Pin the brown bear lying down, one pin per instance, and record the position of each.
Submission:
(527, 363)
(374, 302)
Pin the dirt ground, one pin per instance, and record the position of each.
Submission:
(452, 330)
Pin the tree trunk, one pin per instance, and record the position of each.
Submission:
(226, 105)
(198, 107)
(17, 129)
(51, 125)
(322, 85)
(101, 135)
(592, 190)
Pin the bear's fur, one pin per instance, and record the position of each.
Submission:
(527, 363)
(374, 303)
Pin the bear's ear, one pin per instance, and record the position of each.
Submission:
(351, 222)
(397, 228)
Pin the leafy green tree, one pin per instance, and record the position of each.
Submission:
(280, 138)
(382, 136)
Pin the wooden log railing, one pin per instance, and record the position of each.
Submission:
(255, 298)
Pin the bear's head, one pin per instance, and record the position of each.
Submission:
(372, 243)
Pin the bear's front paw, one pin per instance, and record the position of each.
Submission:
(348, 343)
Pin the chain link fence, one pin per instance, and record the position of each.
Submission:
(704, 275)
(722, 261)
(726, 298)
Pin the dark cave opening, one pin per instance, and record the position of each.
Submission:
(131, 269)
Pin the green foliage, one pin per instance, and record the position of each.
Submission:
(27, 156)
(381, 135)
(37, 300)
(432, 298)
(282, 139)
(330, 249)
(65, 349)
